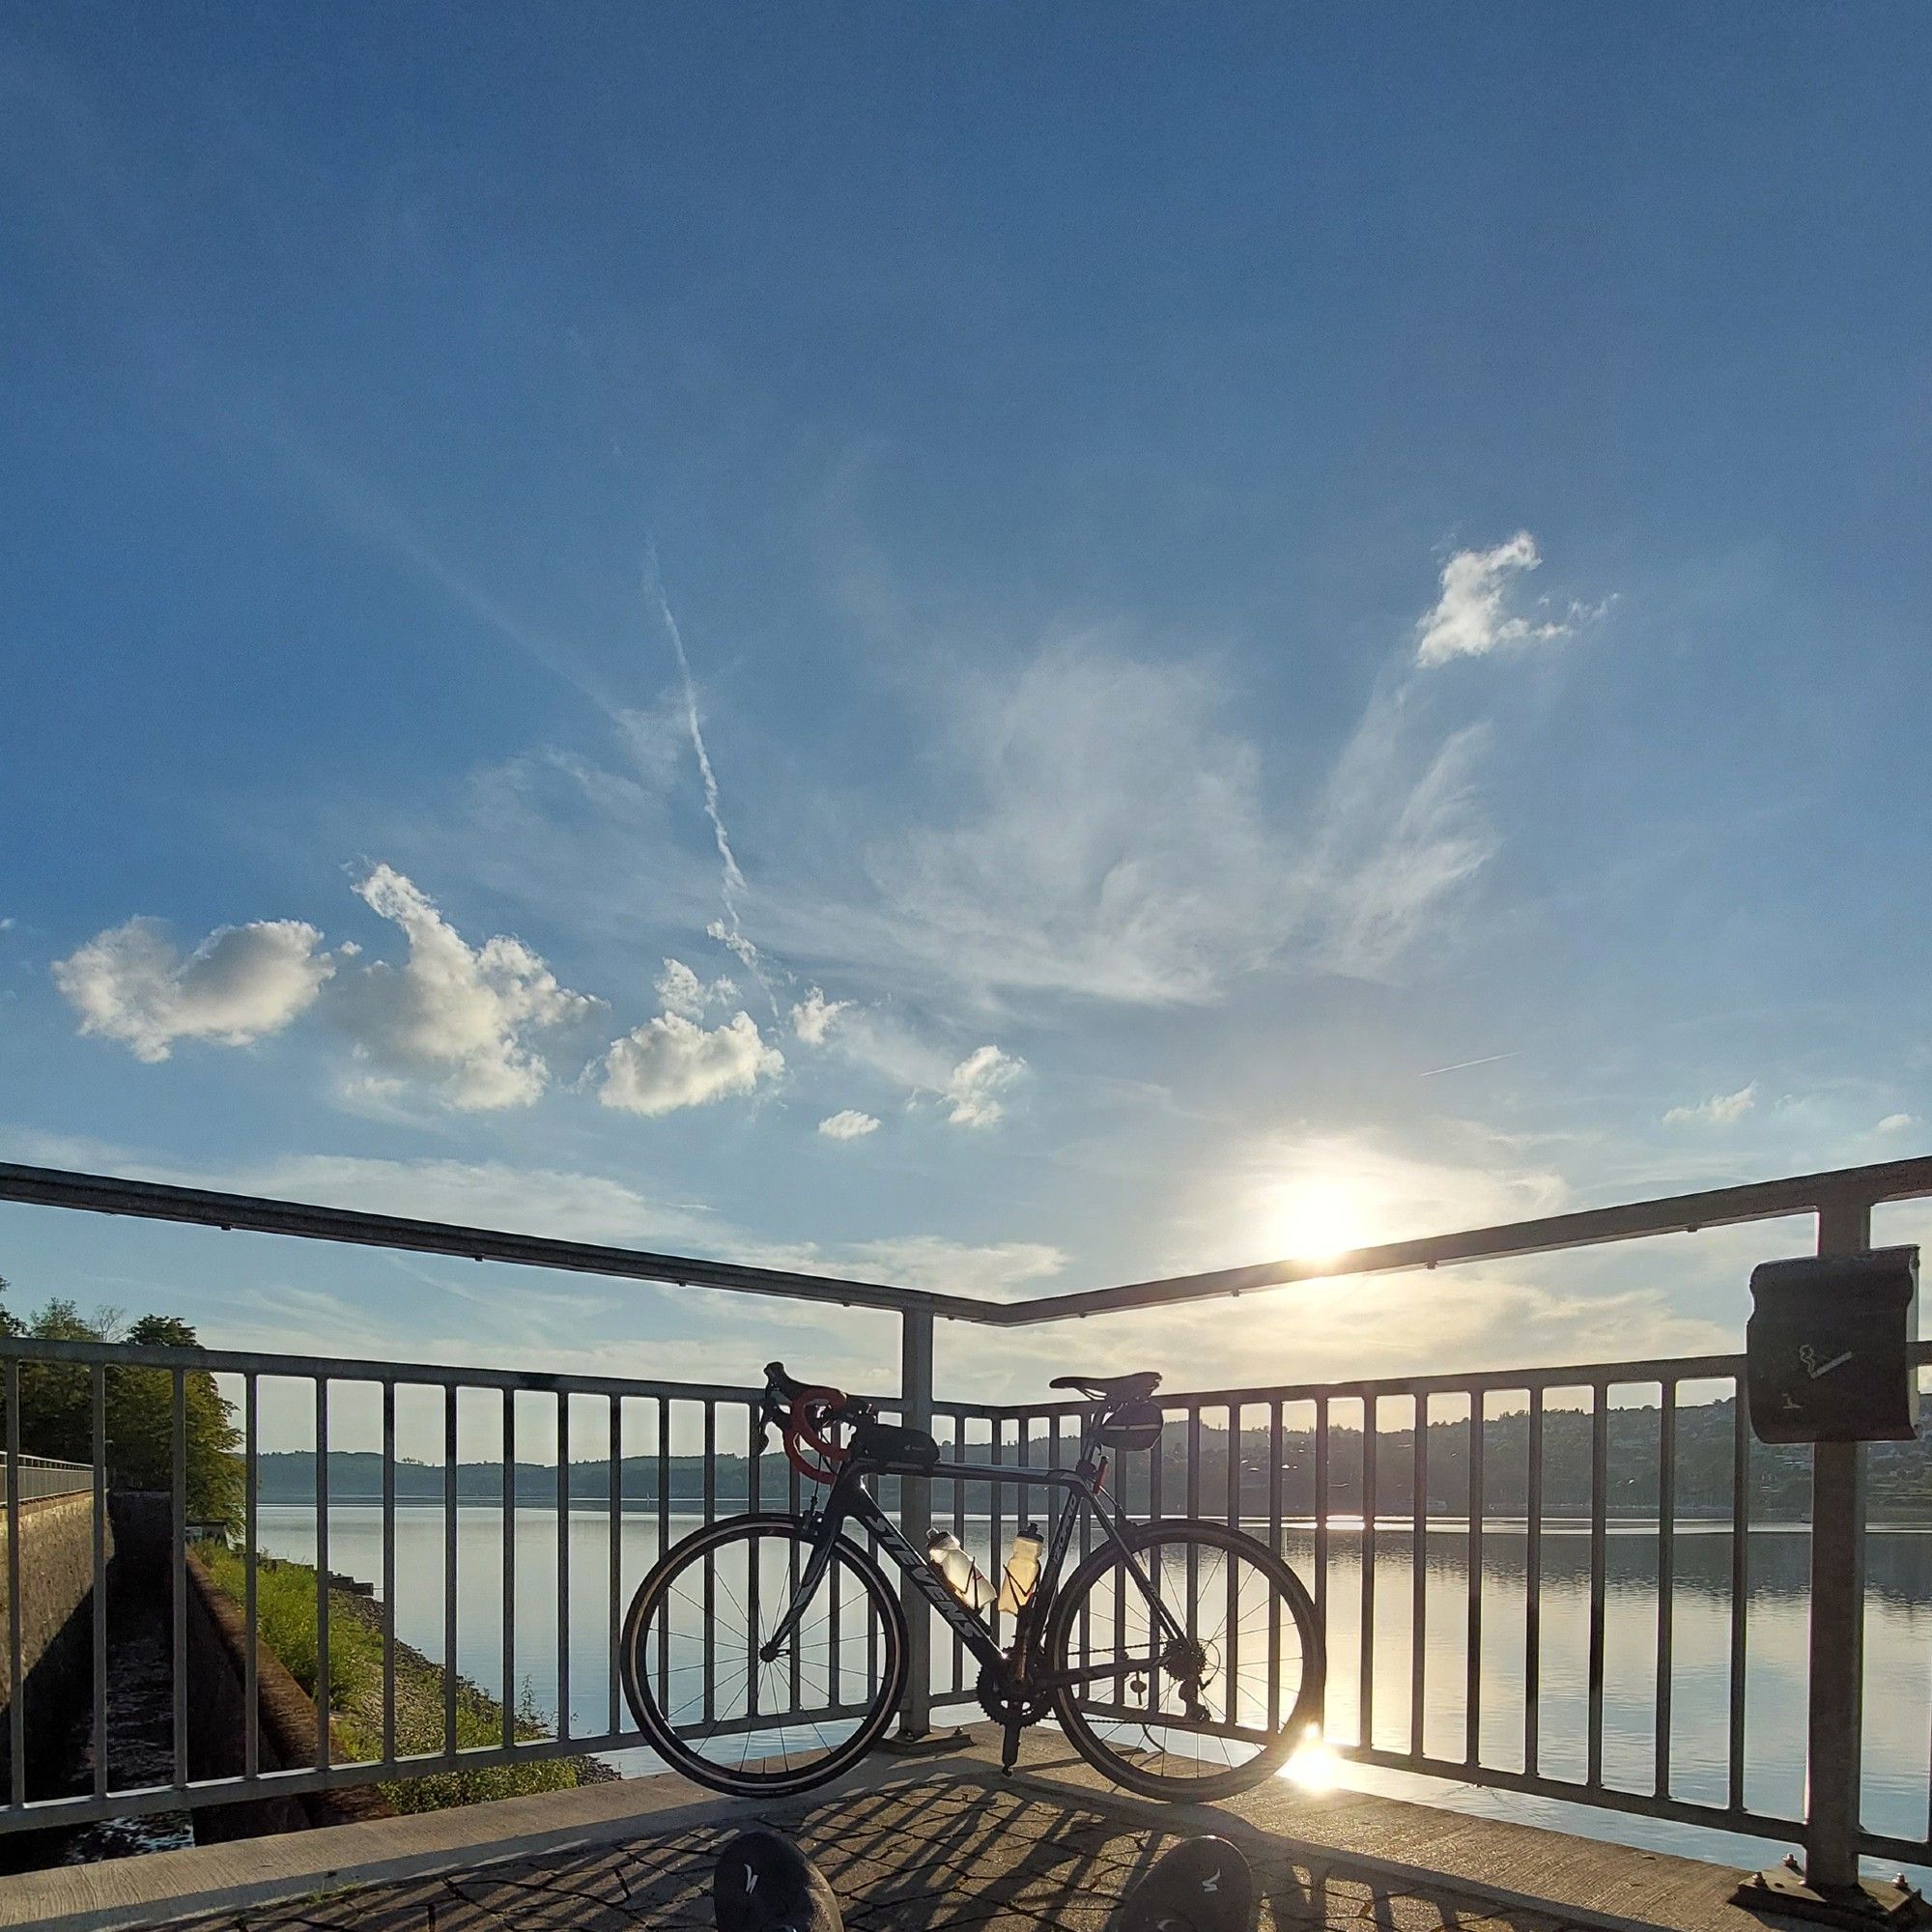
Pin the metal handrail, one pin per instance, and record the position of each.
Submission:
(1677, 1214)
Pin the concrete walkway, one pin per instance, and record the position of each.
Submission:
(908, 1845)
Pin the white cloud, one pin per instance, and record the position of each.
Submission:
(241, 983)
(683, 992)
(972, 1090)
(1470, 619)
(848, 1125)
(672, 1062)
(812, 1016)
(465, 1018)
(1895, 1124)
(1721, 1110)
(923, 1261)
(1109, 838)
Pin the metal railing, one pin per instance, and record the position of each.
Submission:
(49, 1476)
(1486, 1504)
(1325, 1464)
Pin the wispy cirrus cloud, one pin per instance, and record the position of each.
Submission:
(1721, 1110)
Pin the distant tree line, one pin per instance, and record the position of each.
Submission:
(1778, 1478)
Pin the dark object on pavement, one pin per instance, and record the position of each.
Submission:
(1202, 1885)
(765, 1884)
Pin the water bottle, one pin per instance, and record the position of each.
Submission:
(963, 1577)
(1021, 1577)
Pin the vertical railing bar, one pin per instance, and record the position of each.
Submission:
(449, 1584)
(710, 1506)
(960, 1439)
(664, 1540)
(1740, 1591)
(834, 1649)
(1192, 1563)
(1532, 1615)
(1275, 1455)
(178, 1567)
(615, 1555)
(1154, 1454)
(389, 1573)
(1321, 1474)
(251, 1649)
(754, 1567)
(795, 1495)
(509, 1630)
(1230, 1580)
(16, 1669)
(1666, 1580)
(563, 1564)
(1371, 1456)
(1600, 1462)
(1033, 1449)
(1233, 1465)
(1472, 1682)
(97, 1381)
(1418, 1614)
(997, 1510)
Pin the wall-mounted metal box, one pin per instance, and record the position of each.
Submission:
(1828, 1348)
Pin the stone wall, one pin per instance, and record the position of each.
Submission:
(218, 1651)
(56, 1625)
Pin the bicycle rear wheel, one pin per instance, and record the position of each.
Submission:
(727, 1719)
(1208, 1698)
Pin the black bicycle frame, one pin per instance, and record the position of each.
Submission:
(849, 1502)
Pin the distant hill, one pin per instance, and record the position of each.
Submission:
(1779, 1488)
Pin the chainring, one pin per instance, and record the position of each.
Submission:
(1012, 1704)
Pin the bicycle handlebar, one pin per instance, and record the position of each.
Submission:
(805, 1413)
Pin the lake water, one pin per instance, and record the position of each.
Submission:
(1898, 1710)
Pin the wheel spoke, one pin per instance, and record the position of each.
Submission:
(1219, 1593)
(781, 1722)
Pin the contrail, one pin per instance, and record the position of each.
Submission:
(729, 930)
(1487, 1060)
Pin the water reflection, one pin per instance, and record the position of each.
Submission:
(1898, 1711)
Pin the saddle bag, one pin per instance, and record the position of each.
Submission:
(1134, 1425)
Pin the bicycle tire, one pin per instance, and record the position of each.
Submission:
(748, 1780)
(1108, 1760)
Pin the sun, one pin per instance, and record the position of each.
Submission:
(1316, 1218)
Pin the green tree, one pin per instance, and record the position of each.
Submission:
(57, 1408)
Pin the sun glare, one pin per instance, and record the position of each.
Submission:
(1313, 1765)
(1317, 1219)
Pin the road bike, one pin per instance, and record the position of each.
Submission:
(767, 1653)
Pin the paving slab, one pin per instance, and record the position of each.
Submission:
(909, 1845)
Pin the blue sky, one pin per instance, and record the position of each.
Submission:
(1229, 560)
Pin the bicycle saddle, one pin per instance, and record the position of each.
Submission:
(1112, 1388)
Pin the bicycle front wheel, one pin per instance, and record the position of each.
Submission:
(1205, 1694)
(725, 1717)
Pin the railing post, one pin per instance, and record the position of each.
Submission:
(915, 1520)
(1832, 1751)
